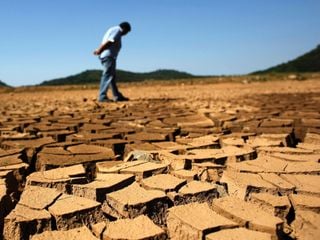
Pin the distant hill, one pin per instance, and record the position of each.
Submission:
(309, 62)
(2, 84)
(93, 77)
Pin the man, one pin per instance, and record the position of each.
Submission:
(108, 52)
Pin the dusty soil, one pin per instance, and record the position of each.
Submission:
(177, 161)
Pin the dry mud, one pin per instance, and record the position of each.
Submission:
(178, 161)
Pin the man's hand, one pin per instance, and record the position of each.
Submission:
(103, 47)
(96, 52)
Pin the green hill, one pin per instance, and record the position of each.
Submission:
(309, 62)
(93, 77)
(2, 84)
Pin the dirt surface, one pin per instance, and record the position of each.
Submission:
(178, 161)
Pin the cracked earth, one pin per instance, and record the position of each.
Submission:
(177, 161)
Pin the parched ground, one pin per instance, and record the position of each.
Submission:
(194, 160)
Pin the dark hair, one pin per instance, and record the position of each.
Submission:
(125, 26)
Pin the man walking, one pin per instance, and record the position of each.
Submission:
(108, 52)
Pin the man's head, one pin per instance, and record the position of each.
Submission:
(125, 26)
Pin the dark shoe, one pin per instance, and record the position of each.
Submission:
(122, 99)
(105, 100)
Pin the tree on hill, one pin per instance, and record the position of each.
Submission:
(2, 84)
(93, 77)
(309, 62)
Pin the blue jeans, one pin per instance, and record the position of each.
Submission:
(108, 78)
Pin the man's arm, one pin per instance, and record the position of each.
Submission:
(102, 47)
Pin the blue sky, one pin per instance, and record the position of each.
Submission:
(45, 39)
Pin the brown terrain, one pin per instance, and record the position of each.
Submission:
(178, 161)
